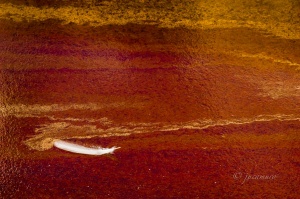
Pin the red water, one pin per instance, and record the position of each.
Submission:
(163, 91)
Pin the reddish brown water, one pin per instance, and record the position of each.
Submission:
(194, 112)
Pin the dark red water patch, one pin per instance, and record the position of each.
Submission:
(165, 174)
(179, 94)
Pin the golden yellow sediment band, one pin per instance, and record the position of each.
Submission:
(274, 18)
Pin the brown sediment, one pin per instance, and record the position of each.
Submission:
(62, 130)
(191, 14)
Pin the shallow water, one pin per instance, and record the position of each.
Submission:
(164, 135)
(197, 104)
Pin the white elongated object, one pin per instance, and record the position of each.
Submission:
(75, 148)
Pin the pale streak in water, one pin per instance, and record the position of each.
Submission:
(34, 110)
(263, 57)
(48, 133)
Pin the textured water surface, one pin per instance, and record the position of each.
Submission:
(198, 95)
